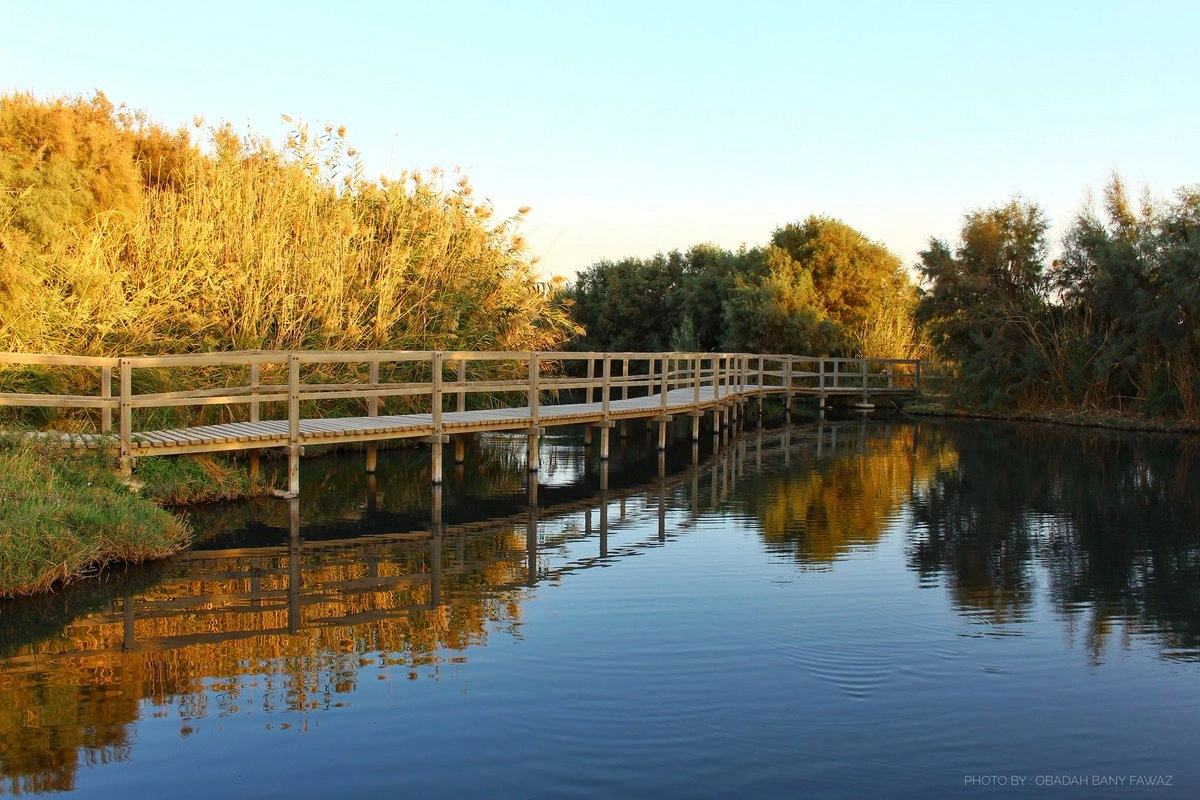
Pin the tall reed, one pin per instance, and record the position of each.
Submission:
(241, 245)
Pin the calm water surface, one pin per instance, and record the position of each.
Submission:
(849, 610)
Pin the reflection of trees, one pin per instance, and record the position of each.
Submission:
(1110, 523)
(852, 490)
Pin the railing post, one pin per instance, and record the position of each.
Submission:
(889, 374)
(534, 401)
(294, 424)
(532, 395)
(373, 411)
(591, 376)
(605, 388)
(866, 393)
(666, 381)
(460, 441)
(126, 408)
(462, 379)
(255, 382)
(373, 400)
(435, 399)
(787, 392)
(106, 394)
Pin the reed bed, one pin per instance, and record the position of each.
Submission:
(206, 240)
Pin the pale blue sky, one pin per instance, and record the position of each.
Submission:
(634, 127)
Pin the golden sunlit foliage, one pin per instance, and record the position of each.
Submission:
(119, 237)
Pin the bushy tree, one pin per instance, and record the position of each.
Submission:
(1129, 284)
(983, 301)
(628, 305)
(773, 307)
(819, 288)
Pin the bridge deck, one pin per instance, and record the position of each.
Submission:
(331, 430)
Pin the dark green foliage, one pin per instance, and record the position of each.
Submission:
(1114, 324)
(630, 305)
(984, 300)
(819, 288)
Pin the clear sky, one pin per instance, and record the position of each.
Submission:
(635, 127)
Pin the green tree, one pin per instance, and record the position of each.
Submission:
(1128, 287)
(773, 307)
(983, 302)
(852, 276)
(628, 305)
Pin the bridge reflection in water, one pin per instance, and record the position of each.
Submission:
(333, 583)
(289, 625)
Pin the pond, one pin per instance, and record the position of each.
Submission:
(841, 609)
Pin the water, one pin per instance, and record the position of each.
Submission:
(859, 609)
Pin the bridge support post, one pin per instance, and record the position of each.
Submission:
(372, 457)
(662, 435)
(695, 427)
(533, 446)
(460, 449)
(587, 436)
(604, 436)
(436, 459)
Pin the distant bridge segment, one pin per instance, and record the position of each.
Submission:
(523, 391)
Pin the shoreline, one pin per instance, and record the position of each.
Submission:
(1075, 419)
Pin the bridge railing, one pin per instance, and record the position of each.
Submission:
(255, 386)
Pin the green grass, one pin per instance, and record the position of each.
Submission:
(64, 517)
(181, 480)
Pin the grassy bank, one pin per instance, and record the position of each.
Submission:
(182, 480)
(1079, 418)
(63, 518)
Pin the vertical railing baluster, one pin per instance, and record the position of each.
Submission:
(106, 394)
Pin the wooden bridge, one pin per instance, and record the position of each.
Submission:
(518, 391)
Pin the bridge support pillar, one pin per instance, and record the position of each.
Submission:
(460, 449)
(604, 437)
(372, 458)
(624, 430)
(662, 435)
(533, 448)
(695, 427)
(253, 465)
(587, 436)
(435, 462)
(293, 489)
